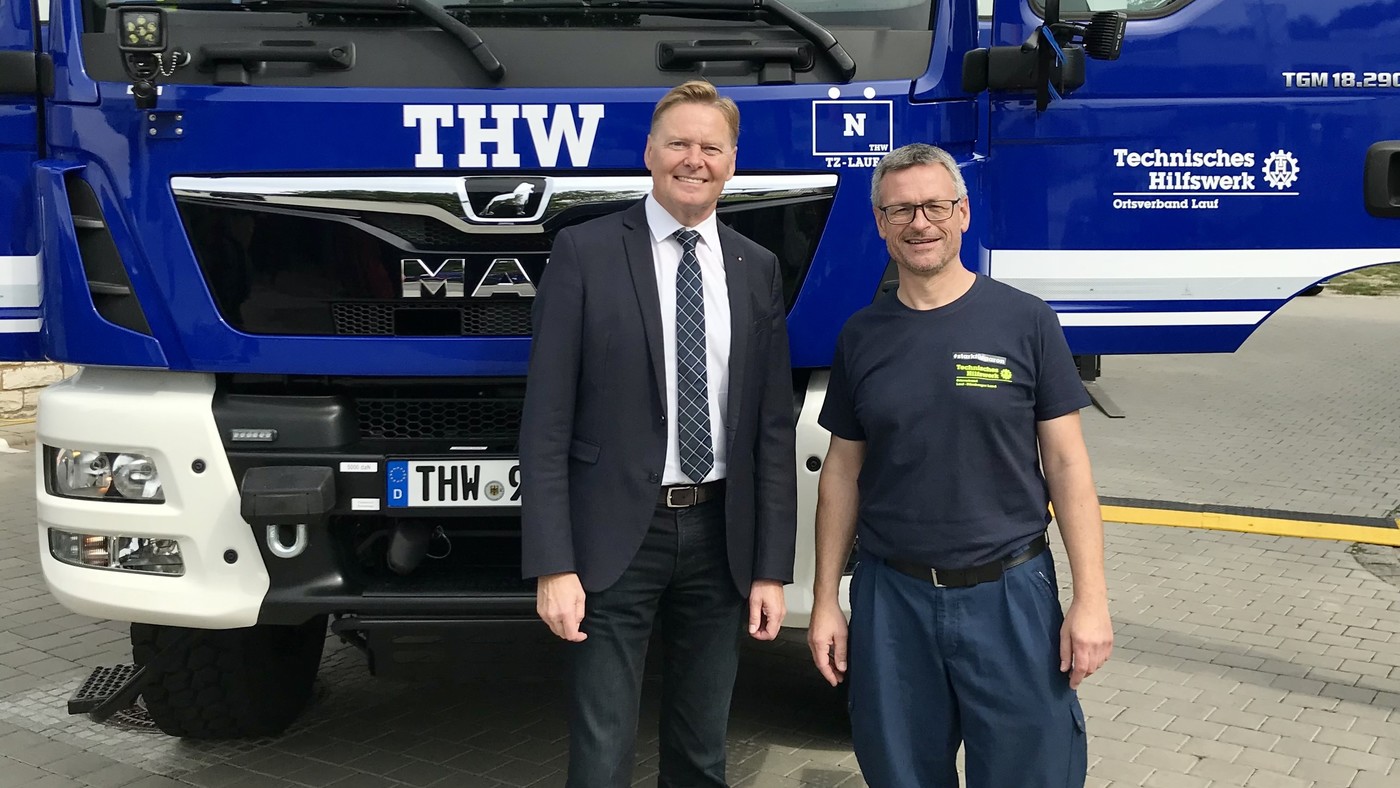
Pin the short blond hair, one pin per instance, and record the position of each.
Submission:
(698, 91)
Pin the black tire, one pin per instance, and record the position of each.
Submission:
(1313, 290)
(230, 683)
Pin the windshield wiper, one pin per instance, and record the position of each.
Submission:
(493, 67)
(425, 8)
(801, 23)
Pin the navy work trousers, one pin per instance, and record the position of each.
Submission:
(680, 583)
(934, 668)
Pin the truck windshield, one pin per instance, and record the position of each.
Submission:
(492, 43)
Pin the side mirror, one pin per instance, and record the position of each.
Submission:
(1051, 61)
(1013, 68)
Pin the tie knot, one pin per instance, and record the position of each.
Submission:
(688, 238)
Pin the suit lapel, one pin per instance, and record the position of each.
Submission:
(636, 243)
(736, 277)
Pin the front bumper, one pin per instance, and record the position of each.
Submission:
(232, 577)
(167, 417)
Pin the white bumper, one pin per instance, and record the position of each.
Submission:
(167, 416)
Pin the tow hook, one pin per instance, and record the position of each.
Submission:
(281, 550)
(287, 496)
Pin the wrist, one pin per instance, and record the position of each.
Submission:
(1096, 597)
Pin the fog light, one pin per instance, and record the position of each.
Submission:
(122, 553)
(114, 476)
(149, 555)
(95, 551)
(66, 547)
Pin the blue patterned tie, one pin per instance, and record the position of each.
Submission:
(692, 375)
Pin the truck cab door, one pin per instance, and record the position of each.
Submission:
(20, 107)
(1238, 152)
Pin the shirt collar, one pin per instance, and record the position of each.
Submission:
(663, 225)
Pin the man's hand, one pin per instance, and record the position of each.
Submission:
(826, 637)
(767, 609)
(559, 602)
(1086, 640)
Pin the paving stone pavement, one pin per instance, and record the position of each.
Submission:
(1301, 419)
(1241, 660)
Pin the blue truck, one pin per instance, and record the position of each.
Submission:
(293, 245)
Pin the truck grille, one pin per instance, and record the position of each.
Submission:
(424, 255)
(378, 319)
(481, 420)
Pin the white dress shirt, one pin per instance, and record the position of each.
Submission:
(666, 256)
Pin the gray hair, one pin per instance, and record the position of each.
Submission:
(915, 155)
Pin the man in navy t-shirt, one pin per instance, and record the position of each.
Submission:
(953, 408)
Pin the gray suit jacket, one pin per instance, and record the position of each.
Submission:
(593, 441)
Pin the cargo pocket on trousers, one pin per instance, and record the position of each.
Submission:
(1077, 766)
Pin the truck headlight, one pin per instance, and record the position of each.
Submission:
(135, 477)
(108, 475)
(124, 553)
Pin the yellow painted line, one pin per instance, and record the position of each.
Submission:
(1272, 526)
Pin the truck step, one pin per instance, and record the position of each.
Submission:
(99, 686)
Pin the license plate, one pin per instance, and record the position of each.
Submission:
(439, 483)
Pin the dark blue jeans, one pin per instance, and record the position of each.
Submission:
(680, 583)
(935, 668)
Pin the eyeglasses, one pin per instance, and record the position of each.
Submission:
(934, 211)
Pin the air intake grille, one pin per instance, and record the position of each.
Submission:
(361, 256)
(422, 232)
(108, 283)
(475, 419)
(484, 318)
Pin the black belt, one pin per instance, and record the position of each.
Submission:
(683, 496)
(971, 576)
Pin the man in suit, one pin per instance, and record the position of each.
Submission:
(658, 453)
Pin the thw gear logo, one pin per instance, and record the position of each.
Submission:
(1281, 169)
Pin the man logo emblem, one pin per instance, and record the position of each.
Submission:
(492, 199)
(512, 204)
(442, 280)
(505, 276)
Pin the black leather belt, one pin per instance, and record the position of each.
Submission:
(682, 496)
(971, 576)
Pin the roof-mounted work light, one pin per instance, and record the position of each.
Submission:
(141, 40)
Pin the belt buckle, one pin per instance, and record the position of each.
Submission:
(933, 573)
(670, 499)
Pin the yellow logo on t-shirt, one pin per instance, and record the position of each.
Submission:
(980, 370)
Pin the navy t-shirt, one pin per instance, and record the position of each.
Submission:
(946, 401)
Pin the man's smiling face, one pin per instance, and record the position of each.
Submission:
(691, 155)
(922, 248)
